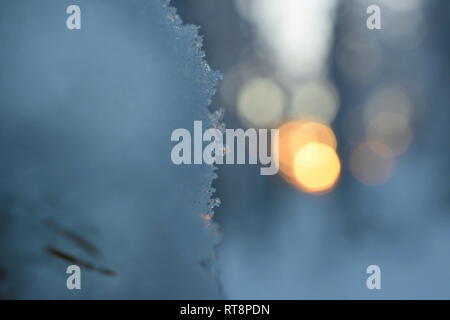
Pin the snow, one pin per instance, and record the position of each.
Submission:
(85, 123)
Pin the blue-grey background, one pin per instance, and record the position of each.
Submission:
(279, 242)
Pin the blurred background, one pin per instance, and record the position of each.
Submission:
(364, 146)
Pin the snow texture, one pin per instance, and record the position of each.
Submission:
(86, 176)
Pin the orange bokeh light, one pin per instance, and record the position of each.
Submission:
(315, 169)
(372, 163)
